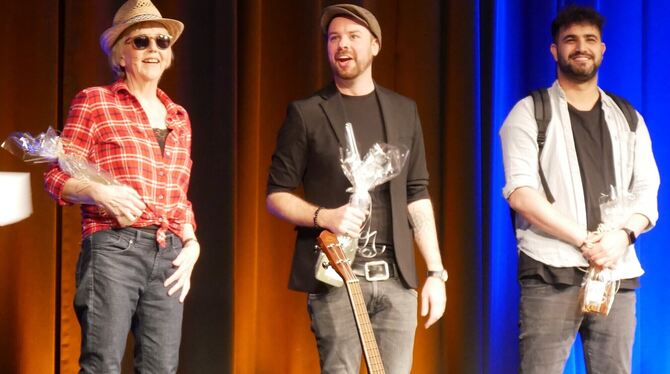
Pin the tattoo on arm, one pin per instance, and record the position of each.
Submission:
(422, 221)
(418, 220)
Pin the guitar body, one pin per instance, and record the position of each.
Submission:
(339, 261)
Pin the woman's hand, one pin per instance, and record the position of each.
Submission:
(121, 202)
(181, 278)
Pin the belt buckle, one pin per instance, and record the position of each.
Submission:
(376, 270)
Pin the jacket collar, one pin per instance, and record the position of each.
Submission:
(333, 108)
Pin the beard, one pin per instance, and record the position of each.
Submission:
(578, 72)
(353, 69)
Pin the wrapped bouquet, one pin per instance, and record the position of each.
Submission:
(48, 147)
(600, 286)
(379, 165)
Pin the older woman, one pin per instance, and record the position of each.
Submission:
(139, 245)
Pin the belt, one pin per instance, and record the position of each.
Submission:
(151, 230)
(375, 270)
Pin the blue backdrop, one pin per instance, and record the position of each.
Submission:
(516, 60)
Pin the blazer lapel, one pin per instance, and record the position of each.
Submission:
(397, 184)
(390, 125)
(332, 106)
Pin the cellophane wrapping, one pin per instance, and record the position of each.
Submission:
(49, 147)
(600, 286)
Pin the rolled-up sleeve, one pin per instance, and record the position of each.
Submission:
(417, 174)
(518, 137)
(77, 138)
(646, 178)
(190, 216)
(290, 157)
(54, 180)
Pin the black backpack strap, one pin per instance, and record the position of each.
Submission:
(631, 117)
(542, 107)
(627, 109)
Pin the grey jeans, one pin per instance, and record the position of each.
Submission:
(120, 275)
(393, 314)
(549, 319)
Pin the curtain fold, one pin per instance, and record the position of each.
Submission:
(28, 261)
(424, 56)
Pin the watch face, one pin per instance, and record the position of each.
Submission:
(444, 275)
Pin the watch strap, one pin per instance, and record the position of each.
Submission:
(441, 274)
(631, 235)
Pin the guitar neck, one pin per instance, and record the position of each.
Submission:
(373, 359)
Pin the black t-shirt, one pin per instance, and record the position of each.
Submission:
(594, 154)
(161, 136)
(573, 276)
(365, 116)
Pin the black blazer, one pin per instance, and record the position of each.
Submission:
(308, 154)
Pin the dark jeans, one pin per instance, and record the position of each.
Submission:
(550, 318)
(120, 275)
(393, 313)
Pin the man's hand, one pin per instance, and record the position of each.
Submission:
(606, 251)
(345, 220)
(433, 300)
(182, 276)
(121, 202)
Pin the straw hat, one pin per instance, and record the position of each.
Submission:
(136, 11)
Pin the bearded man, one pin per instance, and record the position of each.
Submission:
(590, 148)
(308, 155)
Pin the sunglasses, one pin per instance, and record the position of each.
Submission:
(141, 42)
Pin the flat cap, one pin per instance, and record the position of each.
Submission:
(354, 12)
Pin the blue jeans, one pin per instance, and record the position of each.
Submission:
(393, 314)
(120, 275)
(549, 319)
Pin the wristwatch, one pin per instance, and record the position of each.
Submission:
(441, 274)
(631, 235)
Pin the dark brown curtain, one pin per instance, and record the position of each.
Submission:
(237, 66)
(28, 102)
(426, 55)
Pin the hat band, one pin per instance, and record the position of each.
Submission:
(142, 17)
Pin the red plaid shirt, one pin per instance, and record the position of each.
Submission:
(108, 127)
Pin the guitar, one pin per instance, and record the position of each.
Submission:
(339, 261)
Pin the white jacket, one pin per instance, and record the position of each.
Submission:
(632, 154)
